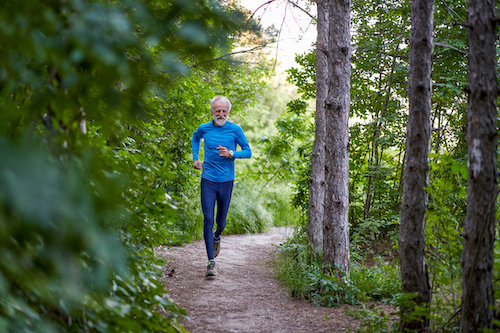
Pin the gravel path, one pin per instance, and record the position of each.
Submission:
(245, 296)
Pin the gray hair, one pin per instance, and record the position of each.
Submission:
(223, 98)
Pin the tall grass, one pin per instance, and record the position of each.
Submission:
(254, 208)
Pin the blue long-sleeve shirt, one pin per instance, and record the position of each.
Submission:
(218, 168)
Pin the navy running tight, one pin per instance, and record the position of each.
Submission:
(212, 192)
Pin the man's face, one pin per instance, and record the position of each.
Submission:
(220, 112)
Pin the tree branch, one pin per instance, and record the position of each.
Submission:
(393, 55)
(303, 10)
(267, 3)
(224, 56)
(230, 54)
(451, 47)
(290, 1)
(451, 10)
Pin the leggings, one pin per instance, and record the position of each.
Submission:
(212, 192)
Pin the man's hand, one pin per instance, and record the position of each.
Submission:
(223, 151)
(197, 165)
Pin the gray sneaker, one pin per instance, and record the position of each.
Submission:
(216, 248)
(211, 269)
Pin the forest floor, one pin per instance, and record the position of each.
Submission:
(245, 296)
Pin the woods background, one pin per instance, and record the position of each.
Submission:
(98, 102)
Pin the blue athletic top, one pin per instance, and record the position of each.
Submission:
(218, 168)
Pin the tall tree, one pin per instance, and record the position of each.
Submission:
(336, 223)
(479, 233)
(317, 180)
(414, 274)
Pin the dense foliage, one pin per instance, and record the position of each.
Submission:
(98, 101)
(377, 148)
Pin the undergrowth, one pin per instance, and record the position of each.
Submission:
(375, 287)
(254, 208)
(300, 270)
(374, 320)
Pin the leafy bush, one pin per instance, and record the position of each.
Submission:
(300, 270)
(379, 282)
(248, 212)
(307, 280)
(374, 320)
(189, 223)
(136, 301)
(64, 267)
(290, 269)
(331, 290)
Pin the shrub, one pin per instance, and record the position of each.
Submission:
(300, 270)
(248, 212)
(64, 268)
(379, 282)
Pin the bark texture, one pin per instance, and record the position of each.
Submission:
(317, 180)
(336, 224)
(414, 273)
(479, 228)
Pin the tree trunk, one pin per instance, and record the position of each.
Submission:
(479, 228)
(317, 180)
(414, 274)
(336, 224)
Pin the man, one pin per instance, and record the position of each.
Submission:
(221, 137)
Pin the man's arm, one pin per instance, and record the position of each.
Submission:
(195, 146)
(246, 151)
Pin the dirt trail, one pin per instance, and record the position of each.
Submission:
(245, 296)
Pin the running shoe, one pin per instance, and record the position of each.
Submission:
(211, 269)
(216, 247)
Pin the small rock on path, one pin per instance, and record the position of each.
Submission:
(245, 296)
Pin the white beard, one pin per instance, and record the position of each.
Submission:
(220, 121)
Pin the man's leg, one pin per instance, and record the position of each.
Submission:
(223, 201)
(208, 198)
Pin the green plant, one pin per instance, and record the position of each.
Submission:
(291, 272)
(300, 270)
(249, 211)
(94, 102)
(137, 300)
(277, 200)
(379, 282)
(374, 320)
(65, 265)
(333, 291)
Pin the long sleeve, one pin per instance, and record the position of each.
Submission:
(196, 144)
(246, 151)
(218, 168)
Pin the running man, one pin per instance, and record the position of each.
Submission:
(221, 137)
